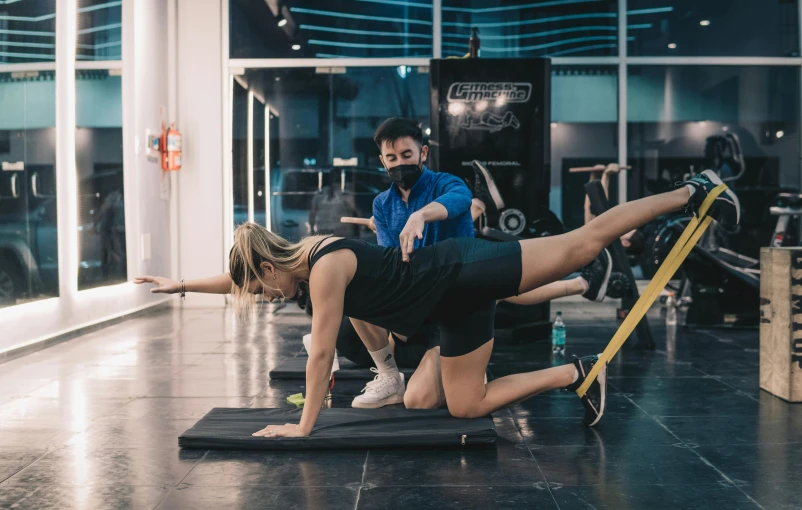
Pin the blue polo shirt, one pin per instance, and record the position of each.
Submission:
(391, 213)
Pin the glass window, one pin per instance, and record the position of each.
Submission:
(741, 121)
(258, 155)
(322, 29)
(738, 28)
(321, 161)
(28, 31)
(584, 133)
(99, 30)
(101, 194)
(239, 152)
(523, 28)
(28, 215)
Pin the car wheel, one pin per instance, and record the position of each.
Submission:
(11, 282)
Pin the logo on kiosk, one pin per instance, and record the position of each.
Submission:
(501, 92)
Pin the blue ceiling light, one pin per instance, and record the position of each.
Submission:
(313, 28)
(398, 2)
(583, 48)
(334, 14)
(604, 15)
(482, 10)
(366, 46)
(656, 10)
(98, 7)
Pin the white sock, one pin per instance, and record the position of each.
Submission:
(584, 283)
(576, 376)
(385, 361)
(691, 188)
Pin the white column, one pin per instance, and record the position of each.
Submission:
(66, 180)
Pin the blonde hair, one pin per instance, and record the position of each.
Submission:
(253, 245)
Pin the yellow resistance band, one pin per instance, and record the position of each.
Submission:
(690, 236)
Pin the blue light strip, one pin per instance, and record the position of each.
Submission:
(9, 2)
(583, 48)
(656, 10)
(100, 28)
(98, 7)
(334, 14)
(41, 56)
(28, 45)
(99, 46)
(367, 46)
(552, 44)
(397, 2)
(27, 32)
(517, 7)
(331, 55)
(533, 21)
(32, 19)
(317, 28)
(610, 28)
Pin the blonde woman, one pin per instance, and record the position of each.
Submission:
(454, 283)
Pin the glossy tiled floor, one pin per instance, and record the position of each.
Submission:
(93, 423)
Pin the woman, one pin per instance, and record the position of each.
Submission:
(454, 283)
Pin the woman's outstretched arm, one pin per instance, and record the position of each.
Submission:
(220, 284)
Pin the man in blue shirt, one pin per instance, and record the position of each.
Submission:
(422, 208)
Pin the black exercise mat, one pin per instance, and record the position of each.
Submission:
(231, 429)
(295, 368)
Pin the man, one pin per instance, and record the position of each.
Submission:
(421, 208)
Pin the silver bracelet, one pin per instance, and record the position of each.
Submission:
(183, 294)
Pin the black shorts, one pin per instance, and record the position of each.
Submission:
(490, 271)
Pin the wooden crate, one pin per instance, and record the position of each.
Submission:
(781, 322)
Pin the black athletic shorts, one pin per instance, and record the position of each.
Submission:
(490, 271)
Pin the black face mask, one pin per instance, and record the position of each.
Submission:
(405, 176)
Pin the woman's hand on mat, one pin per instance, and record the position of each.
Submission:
(162, 285)
(286, 430)
(412, 230)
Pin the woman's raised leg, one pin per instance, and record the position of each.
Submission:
(548, 259)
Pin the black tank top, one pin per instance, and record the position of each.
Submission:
(390, 293)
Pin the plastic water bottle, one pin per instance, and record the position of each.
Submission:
(558, 335)
(671, 310)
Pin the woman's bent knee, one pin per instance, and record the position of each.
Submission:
(465, 411)
(420, 400)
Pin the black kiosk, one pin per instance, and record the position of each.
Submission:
(497, 111)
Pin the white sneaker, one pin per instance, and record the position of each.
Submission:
(383, 390)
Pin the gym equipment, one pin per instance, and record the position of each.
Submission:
(719, 285)
(295, 369)
(223, 429)
(690, 236)
(498, 112)
(594, 168)
(788, 208)
(598, 205)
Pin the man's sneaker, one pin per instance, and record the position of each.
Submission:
(596, 396)
(597, 274)
(485, 189)
(725, 209)
(383, 390)
(618, 286)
